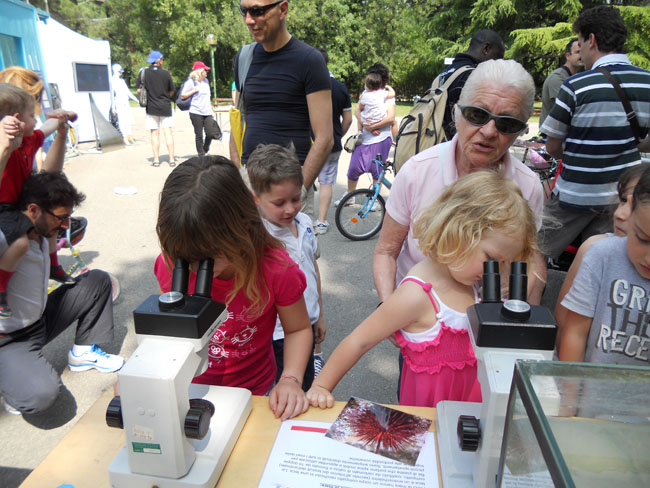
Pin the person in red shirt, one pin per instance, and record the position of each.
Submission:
(19, 143)
(206, 210)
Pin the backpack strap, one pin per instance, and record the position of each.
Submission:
(629, 111)
(452, 78)
(244, 63)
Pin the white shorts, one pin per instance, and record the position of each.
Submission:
(155, 122)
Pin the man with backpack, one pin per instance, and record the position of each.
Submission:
(159, 87)
(430, 122)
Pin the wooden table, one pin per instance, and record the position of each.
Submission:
(84, 454)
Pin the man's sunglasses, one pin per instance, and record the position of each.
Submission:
(60, 218)
(258, 11)
(479, 116)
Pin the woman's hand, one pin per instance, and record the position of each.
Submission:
(320, 397)
(287, 399)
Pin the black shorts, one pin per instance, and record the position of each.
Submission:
(13, 223)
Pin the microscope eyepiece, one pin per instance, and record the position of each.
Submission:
(491, 282)
(203, 287)
(180, 275)
(518, 281)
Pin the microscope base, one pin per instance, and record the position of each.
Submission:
(456, 465)
(232, 407)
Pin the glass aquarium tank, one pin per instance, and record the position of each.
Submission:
(576, 425)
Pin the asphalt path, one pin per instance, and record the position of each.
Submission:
(123, 191)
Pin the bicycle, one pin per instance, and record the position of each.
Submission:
(361, 221)
(73, 235)
(537, 159)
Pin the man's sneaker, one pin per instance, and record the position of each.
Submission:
(321, 227)
(95, 358)
(318, 364)
(349, 203)
(5, 310)
(9, 409)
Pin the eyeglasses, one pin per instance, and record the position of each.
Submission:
(479, 116)
(60, 218)
(258, 11)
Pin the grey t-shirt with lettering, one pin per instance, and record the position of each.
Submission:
(609, 289)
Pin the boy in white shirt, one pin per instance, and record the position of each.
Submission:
(276, 179)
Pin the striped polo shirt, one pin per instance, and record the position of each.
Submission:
(598, 140)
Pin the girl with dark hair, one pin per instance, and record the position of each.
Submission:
(206, 211)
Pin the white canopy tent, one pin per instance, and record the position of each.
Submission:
(77, 65)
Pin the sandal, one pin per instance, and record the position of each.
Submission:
(155, 164)
(172, 163)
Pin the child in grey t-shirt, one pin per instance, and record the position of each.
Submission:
(609, 302)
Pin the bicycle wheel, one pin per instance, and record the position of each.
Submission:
(358, 216)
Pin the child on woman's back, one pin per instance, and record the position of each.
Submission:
(19, 143)
(206, 210)
(276, 178)
(607, 306)
(480, 217)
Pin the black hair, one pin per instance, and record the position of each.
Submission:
(567, 49)
(49, 190)
(381, 70)
(628, 175)
(606, 24)
(490, 37)
(373, 81)
(641, 193)
(324, 54)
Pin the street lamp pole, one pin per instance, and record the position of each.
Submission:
(212, 42)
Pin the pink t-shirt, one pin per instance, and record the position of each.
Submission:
(240, 352)
(424, 177)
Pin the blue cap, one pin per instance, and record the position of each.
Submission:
(154, 56)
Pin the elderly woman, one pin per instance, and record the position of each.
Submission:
(201, 115)
(492, 111)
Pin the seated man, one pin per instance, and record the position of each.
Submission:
(28, 383)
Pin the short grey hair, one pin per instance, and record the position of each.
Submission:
(506, 73)
(194, 75)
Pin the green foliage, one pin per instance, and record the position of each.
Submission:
(412, 37)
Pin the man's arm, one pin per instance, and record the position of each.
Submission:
(57, 120)
(320, 117)
(554, 147)
(346, 122)
(384, 261)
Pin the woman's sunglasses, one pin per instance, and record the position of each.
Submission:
(479, 116)
(258, 11)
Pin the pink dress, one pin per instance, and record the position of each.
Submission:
(440, 364)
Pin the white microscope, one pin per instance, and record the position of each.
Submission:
(175, 436)
(501, 333)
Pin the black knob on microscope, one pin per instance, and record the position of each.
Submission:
(114, 413)
(469, 432)
(197, 420)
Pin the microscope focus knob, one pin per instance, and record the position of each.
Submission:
(114, 413)
(197, 420)
(469, 432)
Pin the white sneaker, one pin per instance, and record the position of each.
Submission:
(321, 227)
(349, 203)
(94, 358)
(318, 364)
(9, 409)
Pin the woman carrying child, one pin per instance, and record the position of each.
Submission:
(206, 210)
(478, 218)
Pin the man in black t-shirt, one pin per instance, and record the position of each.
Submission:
(341, 121)
(160, 88)
(286, 92)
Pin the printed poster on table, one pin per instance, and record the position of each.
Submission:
(304, 457)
